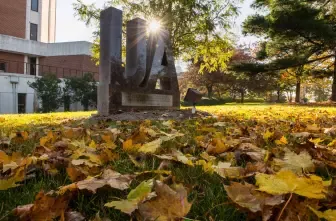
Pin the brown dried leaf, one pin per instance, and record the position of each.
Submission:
(110, 178)
(45, 207)
(73, 216)
(171, 203)
(246, 195)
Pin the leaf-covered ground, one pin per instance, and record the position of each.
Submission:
(247, 162)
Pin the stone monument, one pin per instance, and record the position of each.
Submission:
(149, 79)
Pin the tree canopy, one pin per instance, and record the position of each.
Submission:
(298, 34)
(196, 27)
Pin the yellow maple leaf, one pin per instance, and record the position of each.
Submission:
(328, 214)
(63, 189)
(285, 182)
(267, 135)
(11, 181)
(8, 183)
(207, 166)
(316, 141)
(127, 145)
(106, 138)
(69, 133)
(50, 135)
(282, 141)
(218, 146)
(43, 140)
(332, 143)
(24, 135)
(151, 147)
(93, 144)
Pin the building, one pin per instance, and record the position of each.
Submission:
(28, 49)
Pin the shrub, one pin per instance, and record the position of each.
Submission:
(48, 91)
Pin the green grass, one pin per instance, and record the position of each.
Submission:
(207, 190)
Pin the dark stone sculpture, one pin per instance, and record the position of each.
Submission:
(149, 80)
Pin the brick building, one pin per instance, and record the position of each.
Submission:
(28, 49)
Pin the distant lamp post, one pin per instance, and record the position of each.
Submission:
(193, 96)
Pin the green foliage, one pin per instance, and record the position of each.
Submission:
(83, 90)
(195, 27)
(48, 91)
(212, 55)
(299, 35)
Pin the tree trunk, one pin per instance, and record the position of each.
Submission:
(67, 102)
(210, 90)
(242, 93)
(85, 104)
(279, 94)
(333, 93)
(298, 90)
(290, 96)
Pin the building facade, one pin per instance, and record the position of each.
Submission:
(28, 50)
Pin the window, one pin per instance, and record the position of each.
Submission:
(34, 5)
(33, 32)
(2, 66)
(21, 103)
(32, 64)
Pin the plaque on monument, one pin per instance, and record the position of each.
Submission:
(149, 100)
(148, 80)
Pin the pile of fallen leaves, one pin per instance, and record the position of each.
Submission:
(273, 164)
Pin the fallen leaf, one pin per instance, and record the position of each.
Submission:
(285, 182)
(231, 172)
(329, 215)
(298, 163)
(316, 141)
(45, 207)
(127, 145)
(11, 182)
(170, 203)
(109, 178)
(24, 135)
(176, 155)
(313, 128)
(151, 147)
(282, 141)
(73, 216)
(245, 195)
(93, 144)
(267, 135)
(217, 146)
(207, 166)
(136, 196)
(220, 124)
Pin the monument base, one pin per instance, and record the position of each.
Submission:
(154, 100)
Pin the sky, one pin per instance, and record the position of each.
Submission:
(68, 28)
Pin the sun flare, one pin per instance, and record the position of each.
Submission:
(154, 26)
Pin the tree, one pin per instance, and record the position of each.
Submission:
(83, 90)
(234, 82)
(48, 91)
(195, 27)
(202, 81)
(320, 88)
(298, 33)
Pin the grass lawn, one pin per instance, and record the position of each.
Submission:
(43, 152)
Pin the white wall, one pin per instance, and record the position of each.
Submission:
(8, 96)
(23, 46)
(48, 21)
